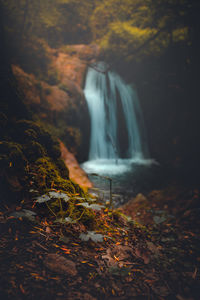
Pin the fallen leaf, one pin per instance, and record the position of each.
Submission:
(22, 289)
(95, 237)
(48, 229)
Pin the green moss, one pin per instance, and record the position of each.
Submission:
(24, 125)
(53, 147)
(30, 134)
(29, 154)
(34, 150)
(13, 171)
(76, 212)
(48, 176)
(64, 172)
(11, 155)
(88, 218)
(29, 130)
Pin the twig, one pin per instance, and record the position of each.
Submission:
(38, 244)
(51, 210)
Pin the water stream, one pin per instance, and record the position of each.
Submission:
(118, 142)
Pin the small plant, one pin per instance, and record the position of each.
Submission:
(71, 213)
(54, 195)
(92, 206)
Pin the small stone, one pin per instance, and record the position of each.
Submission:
(60, 264)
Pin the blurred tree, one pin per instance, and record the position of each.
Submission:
(125, 29)
(136, 29)
(57, 21)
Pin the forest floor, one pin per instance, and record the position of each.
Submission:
(157, 260)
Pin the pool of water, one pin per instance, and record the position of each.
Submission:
(128, 177)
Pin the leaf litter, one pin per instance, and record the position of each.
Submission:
(133, 261)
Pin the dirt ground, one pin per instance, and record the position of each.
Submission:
(154, 256)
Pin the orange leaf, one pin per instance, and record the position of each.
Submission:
(18, 208)
(116, 258)
(22, 289)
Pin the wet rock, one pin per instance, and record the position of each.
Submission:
(75, 172)
(140, 198)
(60, 264)
(133, 207)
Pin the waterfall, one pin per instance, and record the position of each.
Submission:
(105, 95)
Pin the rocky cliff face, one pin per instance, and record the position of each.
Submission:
(58, 103)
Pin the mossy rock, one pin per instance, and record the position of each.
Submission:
(30, 134)
(23, 125)
(64, 172)
(13, 171)
(28, 153)
(48, 176)
(52, 146)
(24, 128)
(11, 155)
(28, 130)
(34, 150)
(88, 218)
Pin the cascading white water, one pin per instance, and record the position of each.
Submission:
(103, 93)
